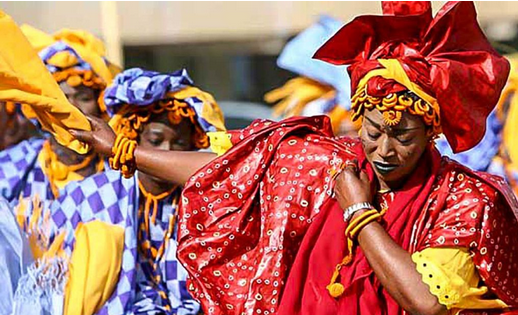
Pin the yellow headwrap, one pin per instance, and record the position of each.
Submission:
(89, 48)
(507, 112)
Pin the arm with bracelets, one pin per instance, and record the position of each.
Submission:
(127, 156)
(392, 264)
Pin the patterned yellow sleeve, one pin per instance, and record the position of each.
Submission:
(451, 276)
(219, 142)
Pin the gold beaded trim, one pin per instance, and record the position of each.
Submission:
(392, 107)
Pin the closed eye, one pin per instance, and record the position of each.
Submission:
(373, 135)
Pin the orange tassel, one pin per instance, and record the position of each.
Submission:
(334, 288)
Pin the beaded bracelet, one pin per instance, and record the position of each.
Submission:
(354, 227)
(123, 156)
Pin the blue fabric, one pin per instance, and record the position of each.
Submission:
(138, 87)
(111, 198)
(48, 52)
(15, 256)
(141, 87)
(478, 158)
(21, 174)
(297, 56)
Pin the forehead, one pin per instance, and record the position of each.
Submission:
(67, 89)
(160, 122)
(408, 121)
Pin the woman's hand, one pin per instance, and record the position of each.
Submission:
(101, 138)
(352, 186)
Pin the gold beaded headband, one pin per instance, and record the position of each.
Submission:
(415, 100)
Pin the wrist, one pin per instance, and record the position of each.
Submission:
(353, 209)
(358, 213)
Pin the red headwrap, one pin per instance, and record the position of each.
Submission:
(448, 57)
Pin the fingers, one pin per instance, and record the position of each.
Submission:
(81, 135)
(364, 177)
(352, 166)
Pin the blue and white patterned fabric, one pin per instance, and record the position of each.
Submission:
(111, 198)
(21, 174)
(138, 87)
(480, 157)
(297, 57)
(58, 47)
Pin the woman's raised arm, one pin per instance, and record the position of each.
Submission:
(173, 166)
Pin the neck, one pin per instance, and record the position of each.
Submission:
(152, 186)
(391, 186)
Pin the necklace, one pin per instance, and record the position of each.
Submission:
(144, 232)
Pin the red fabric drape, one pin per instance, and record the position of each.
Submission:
(244, 216)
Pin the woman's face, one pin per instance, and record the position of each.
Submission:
(160, 134)
(393, 151)
(82, 97)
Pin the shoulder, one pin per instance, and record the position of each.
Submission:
(22, 151)
(463, 182)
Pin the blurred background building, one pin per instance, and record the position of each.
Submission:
(229, 48)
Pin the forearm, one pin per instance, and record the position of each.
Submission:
(173, 166)
(397, 272)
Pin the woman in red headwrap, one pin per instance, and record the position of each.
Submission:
(262, 226)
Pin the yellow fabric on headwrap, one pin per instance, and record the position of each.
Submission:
(210, 111)
(88, 47)
(36, 37)
(510, 115)
(394, 71)
(94, 267)
(294, 95)
(25, 79)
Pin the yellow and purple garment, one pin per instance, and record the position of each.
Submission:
(22, 174)
(504, 163)
(140, 289)
(138, 87)
(151, 280)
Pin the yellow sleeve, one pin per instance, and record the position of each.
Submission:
(95, 266)
(452, 277)
(219, 142)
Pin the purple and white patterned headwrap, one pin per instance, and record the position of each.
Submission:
(58, 47)
(138, 87)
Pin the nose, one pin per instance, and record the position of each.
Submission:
(386, 149)
(166, 145)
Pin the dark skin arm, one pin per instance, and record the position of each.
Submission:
(392, 264)
(174, 166)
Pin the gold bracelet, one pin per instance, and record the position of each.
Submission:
(354, 227)
(123, 156)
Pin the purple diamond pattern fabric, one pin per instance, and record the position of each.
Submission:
(111, 198)
(20, 172)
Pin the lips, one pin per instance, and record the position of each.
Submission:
(385, 168)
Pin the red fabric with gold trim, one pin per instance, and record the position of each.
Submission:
(448, 56)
